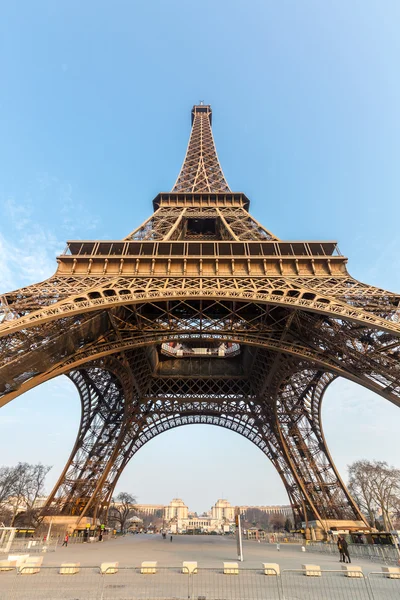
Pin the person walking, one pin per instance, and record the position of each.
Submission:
(66, 538)
(170, 539)
(345, 550)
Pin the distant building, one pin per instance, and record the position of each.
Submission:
(285, 509)
(149, 509)
(176, 509)
(178, 519)
(221, 515)
(223, 509)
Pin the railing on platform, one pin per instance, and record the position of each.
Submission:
(375, 552)
(167, 583)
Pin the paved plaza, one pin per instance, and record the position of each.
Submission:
(209, 551)
(169, 581)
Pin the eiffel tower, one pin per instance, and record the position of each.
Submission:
(201, 315)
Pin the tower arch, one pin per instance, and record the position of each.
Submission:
(200, 312)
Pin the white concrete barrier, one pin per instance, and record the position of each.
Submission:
(69, 568)
(18, 558)
(312, 570)
(109, 568)
(391, 572)
(149, 567)
(352, 571)
(31, 566)
(271, 569)
(189, 567)
(231, 568)
(7, 565)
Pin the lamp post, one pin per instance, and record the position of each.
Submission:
(238, 534)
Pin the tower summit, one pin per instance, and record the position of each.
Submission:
(201, 171)
(201, 315)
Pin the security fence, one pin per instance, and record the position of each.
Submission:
(327, 585)
(47, 583)
(383, 586)
(375, 552)
(28, 545)
(177, 583)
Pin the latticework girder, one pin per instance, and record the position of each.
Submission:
(201, 171)
(201, 315)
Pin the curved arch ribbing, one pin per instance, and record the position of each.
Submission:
(144, 326)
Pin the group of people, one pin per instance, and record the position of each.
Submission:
(343, 550)
(164, 536)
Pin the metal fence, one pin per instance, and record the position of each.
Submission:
(329, 585)
(88, 583)
(386, 554)
(29, 546)
(129, 583)
(48, 584)
(384, 587)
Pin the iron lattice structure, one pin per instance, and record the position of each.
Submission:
(201, 315)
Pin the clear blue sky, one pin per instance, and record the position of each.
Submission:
(95, 115)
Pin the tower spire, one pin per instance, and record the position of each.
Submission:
(201, 171)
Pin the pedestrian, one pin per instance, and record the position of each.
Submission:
(66, 538)
(340, 548)
(345, 550)
(170, 539)
(101, 536)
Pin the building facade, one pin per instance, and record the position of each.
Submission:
(285, 510)
(178, 519)
(223, 510)
(149, 509)
(175, 510)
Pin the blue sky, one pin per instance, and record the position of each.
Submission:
(94, 122)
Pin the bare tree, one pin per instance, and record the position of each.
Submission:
(277, 522)
(20, 487)
(375, 486)
(34, 489)
(255, 517)
(361, 488)
(121, 509)
(7, 481)
(396, 514)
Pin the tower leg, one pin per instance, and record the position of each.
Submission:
(298, 410)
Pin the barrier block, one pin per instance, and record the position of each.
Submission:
(18, 558)
(352, 571)
(31, 566)
(391, 572)
(69, 568)
(311, 570)
(231, 568)
(149, 567)
(189, 567)
(109, 568)
(271, 569)
(7, 565)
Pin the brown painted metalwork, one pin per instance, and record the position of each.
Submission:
(201, 315)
